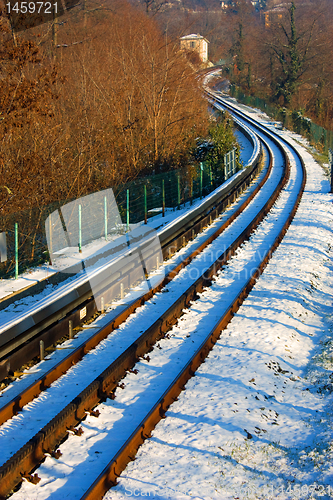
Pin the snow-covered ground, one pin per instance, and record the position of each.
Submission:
(256, 420)
(35, 415)
(32, 374)
(246, 146)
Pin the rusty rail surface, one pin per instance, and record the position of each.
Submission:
(29, 348)
(42, 383)
(117, 464)
(48, 439)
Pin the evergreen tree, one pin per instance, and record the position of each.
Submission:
(291, 52)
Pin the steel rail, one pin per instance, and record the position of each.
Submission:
(117, 464)
(43, 382)
(49, 438)
(52, 323)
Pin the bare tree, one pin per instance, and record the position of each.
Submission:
(292, 50)
(152, 7)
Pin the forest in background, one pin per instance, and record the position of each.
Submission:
(97, 99)
(104, 94)
(270, 49)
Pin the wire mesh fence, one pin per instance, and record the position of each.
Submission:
(293, 120)
(28, 238)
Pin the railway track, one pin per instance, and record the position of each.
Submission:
(51, 318)
(223, 246)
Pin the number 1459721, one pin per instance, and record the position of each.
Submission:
(32, 8)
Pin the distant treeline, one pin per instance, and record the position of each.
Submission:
(92, 101)
(276, 49)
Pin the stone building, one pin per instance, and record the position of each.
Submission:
(196, 43)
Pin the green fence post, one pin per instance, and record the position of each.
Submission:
(201, 177)
(178, 191)
(80, 229)
(230, 165)
(163, 199)
(145, 202)
(330, 159)
(16, 250)
(105, 218)
(211, 177)
(127, 209)
(233, 164)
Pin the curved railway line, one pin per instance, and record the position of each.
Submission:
(282, 182)
(49, 319)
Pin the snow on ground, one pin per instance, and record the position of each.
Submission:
(32, 374)
(246, 147)
(72, 257)
(256, 420)
(34, 415)
(119, 418)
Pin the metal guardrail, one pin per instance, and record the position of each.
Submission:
(183, 223)
(29, 234)
(47, 439)
(72, 298)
